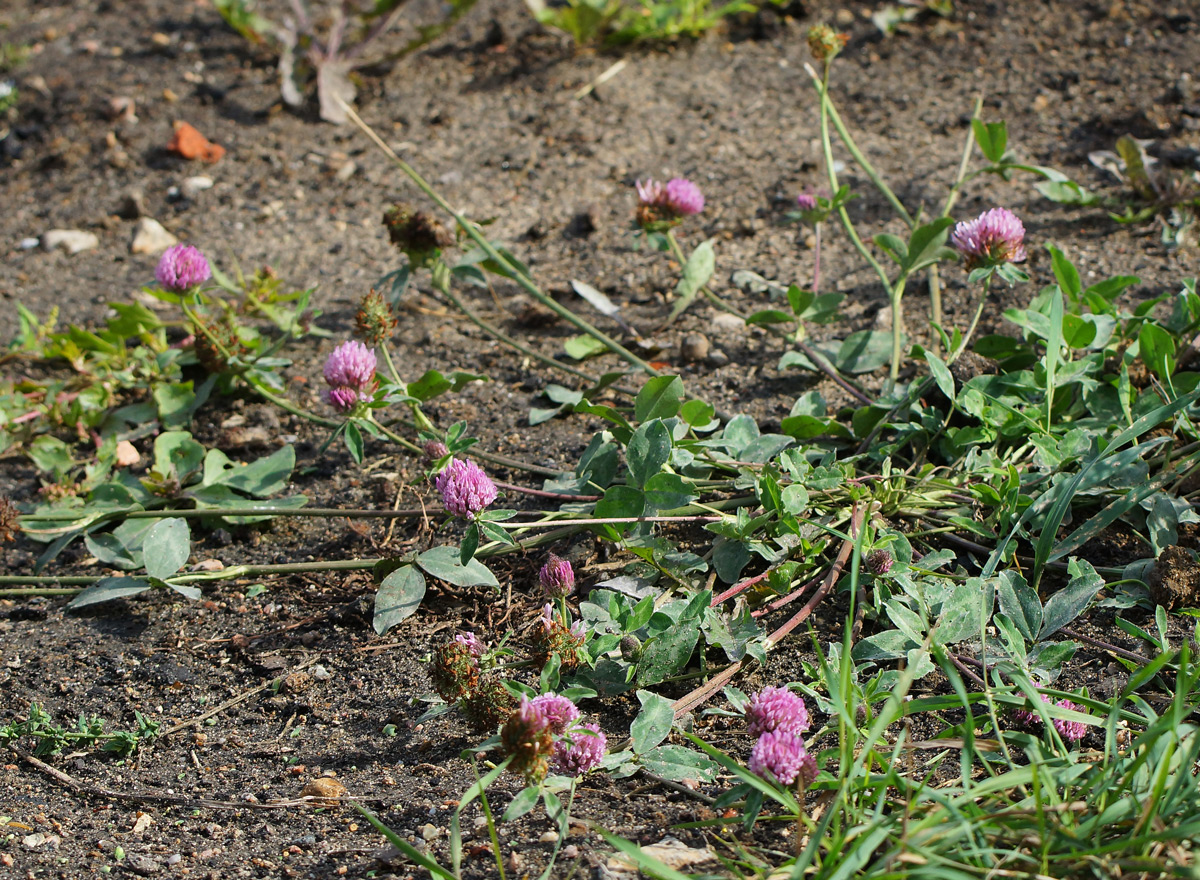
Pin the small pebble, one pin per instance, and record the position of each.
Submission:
(717, 358)
(570, 851)
(548, 837)
(694, 347)
(149, 237)
(28, 244)
(430, 832)
(727, 323)
(71, 240)
(320, 673)
(174, 859)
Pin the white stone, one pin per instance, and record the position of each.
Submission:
(149, 237)
(193, 186)
(71, 240)
(28, 244)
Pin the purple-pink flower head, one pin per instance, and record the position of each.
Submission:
(465, 488)
(557, 577)
(1071, 731)
(650, 191)
(182, 267)
(350, 365)
(684, 197)
(1027, 719)
(558, 711)
(471, 642)
(781, 756)
(776, 709)
(582, 750)
(806, 201)
(661, 206)
(994, 237)
(350, 374)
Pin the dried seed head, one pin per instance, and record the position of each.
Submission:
(824, 42)
(527, 739)
(454, 671)
(374, 321)
(416, 234)
(10, 523)
(489, 705)
(215, 342)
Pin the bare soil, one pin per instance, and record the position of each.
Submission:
(489, 114)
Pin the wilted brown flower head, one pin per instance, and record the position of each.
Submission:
(489, 705)
(527, 738)
(454, 671)
(417, 234)
(10, 525)
(216, 340)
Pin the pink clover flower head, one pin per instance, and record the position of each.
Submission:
(776, 709)
(465, 489)
(684, 197)
(582, 750)
(806, 201)
(558, 711)
(1027, 719)
(471, 642)
(661, 206)
(557, 577)
(350, 374)
(350, 365)
(1071, 731)
(182, 267)
(994, 237)
(781, 756)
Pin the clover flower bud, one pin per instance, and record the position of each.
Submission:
(182, 267)
(879, 562)
(555, 638)
(465, 488)
(630, 648)
(1071, 731)
(806, 201)
(781, 756)
(776, 709)
(557, 577)
(582, 750)
(824, 42)
(374, 321)
(991, 239)
(434, 450)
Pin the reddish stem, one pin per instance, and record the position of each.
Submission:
(697, 697)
